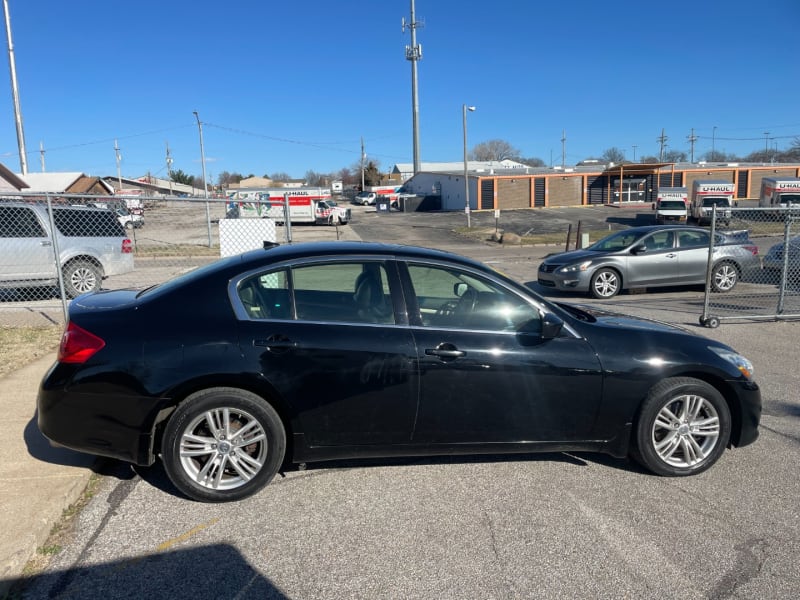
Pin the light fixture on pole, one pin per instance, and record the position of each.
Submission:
(205, 187)
(464, 109)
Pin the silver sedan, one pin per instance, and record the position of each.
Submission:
(652, 256)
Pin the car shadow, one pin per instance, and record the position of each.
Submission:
(199, 572)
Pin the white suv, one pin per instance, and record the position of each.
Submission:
(91, 244)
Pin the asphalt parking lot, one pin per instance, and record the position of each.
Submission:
(541, 526)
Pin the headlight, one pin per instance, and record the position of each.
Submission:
(736, 359)
(574, 268)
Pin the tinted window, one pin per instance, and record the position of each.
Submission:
(616, 241)
(659, 241)
(451, 298)
(19, 222)
(348, 292)
(87, 223)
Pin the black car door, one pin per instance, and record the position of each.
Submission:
(486, 373)
(324, 337)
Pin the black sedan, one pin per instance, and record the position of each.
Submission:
(321, 351)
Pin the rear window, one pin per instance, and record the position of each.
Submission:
(87, 223)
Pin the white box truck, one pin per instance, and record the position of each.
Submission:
(306, 205)
(781, 193)
(672, 205)
(706, 194)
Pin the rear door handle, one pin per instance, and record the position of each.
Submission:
(276, 343)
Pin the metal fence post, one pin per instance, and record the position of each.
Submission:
(57, 257)
(287, 220)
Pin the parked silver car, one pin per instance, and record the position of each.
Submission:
(651, 256)
(775, 256)
(91, 245)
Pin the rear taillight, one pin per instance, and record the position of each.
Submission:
(127, 246)
(78, 345)
(752, 249)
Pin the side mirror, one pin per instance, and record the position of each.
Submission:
(551, 326)
(460, 288)
(638, 249)
(653, 205)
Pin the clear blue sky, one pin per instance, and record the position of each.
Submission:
(292, 86)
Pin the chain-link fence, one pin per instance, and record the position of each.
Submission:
(55, 247)
(754, 266)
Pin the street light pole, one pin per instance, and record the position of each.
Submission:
(205, 187)
(12, 65)
(464, 110)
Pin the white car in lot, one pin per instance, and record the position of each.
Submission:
(366, 198)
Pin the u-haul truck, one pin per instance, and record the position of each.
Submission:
(781, 193)
(672, 205)
(306, 205)
(706, 194)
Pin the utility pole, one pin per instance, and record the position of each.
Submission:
(563, 148)
(41, 154)
(205, 185)
(169, 169)
(766, 143)
(363, 158)
(692, 139)
(12, 67)
(634, 152)
(119, 171)
(413, 54)
(662, 140)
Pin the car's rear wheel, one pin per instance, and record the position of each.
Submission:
(724, 277)
(81, 276)
(606, 283)
(683, 427)
(223, 444)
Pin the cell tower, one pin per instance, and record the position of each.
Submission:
(414, 53)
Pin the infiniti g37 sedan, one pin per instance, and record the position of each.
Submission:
(652, 256)
(320, 351)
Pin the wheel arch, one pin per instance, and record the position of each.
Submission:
(84, 257)
(722, 386)
(253, 384)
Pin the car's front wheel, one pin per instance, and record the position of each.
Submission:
(606, 283)
(223, 444)
(683, 427)
(81, 276)
(724, 277)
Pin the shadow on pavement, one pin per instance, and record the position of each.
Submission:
(214, 571)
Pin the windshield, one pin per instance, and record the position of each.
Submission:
(790, 198)
(715, 202)
(616, 241)
(672, 205)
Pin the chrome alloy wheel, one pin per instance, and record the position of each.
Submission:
(605, 284)
(725, 277)
(686, 431)
(223, 448)
(83, 279)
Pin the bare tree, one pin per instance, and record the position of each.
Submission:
(282, 177)
(494, 150)
(613, 154)
(675, 156)
(532, 162)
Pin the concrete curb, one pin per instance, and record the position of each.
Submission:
(37, 482)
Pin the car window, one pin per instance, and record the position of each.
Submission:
(455, 299)
(346, 292)
(87, 223)
(661, 240)
(693, 239)
(19, 222)
(616, 241)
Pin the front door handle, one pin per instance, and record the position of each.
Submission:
(445, 352)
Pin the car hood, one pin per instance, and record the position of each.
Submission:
(572, 256)
(609, 318)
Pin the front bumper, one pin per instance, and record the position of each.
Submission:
(748, 396)
(577, 281)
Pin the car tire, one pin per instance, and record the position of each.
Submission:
(605, 283)
(202, 451)
(724, 277)
(80, 277)
(683, 427)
